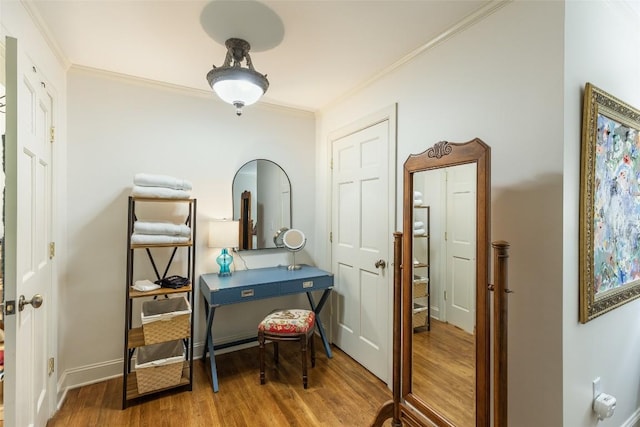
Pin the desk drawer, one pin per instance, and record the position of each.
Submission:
(306, 285)
(241, 294)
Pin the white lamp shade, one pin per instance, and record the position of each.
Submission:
(223, 233)
(243, 91)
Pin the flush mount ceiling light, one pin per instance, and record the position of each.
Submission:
(235, 84)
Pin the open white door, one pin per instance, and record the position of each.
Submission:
(28, 269)
(360, 248)
(461, 247)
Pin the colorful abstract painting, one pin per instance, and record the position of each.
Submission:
(609, 204)
(616, 214)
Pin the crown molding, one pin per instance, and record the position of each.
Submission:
(46, 33)
(184, 90)
(459, 27)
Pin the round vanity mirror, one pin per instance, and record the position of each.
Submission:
(294, 240)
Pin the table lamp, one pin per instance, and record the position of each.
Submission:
(223, 233)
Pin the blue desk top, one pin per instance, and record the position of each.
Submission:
(258, 283)
(260, 276)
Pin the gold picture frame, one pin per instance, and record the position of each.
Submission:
(609, 204)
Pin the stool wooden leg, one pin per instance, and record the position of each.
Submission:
(303, 348)
(261, 351)
(313, 351)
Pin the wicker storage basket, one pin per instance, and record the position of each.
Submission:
(159, 366)
(165, 320)
(419, 289)
(419, 316)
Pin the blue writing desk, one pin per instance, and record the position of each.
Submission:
(255, 284)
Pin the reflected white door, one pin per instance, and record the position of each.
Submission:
(461, 246)
(27, 237)
(361, 236)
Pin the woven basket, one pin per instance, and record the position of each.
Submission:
(165, 320)
(419, 290)
(419, 318)
(159, 366)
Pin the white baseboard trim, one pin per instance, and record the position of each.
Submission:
(97, 372)
(85, 375)
(633, 420)
(103, 371)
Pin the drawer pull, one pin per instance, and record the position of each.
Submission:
(246, 293)
(307, 284)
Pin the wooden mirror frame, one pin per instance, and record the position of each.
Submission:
(445, 154)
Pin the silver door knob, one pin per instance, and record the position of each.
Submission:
(380, 263)
(36, 301)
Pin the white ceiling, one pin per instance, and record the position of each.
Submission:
(313, 51)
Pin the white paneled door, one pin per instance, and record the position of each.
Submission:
(461, 246)
(28, 265)
(360, 245)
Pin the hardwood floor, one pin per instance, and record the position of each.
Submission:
(341, 393)
(444, 371)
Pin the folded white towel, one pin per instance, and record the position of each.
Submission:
(159, 192)
(417, 202)
(150, 180)
(159, 227)
(145, 285)
(419, 232)
(418, 224)
(156, 239)
(417, 195)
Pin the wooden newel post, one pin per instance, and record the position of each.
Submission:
(500, 319)
(391, 408)
(397, 322)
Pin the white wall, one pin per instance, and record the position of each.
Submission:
(120, 127)
(602, 41)
(500, 80)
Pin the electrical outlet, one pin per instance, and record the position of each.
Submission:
(596, 388)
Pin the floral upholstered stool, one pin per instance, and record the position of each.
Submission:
(288, 325)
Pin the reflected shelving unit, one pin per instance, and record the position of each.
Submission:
(421, 268)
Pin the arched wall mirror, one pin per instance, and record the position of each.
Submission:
(445, 356)
(261, 202)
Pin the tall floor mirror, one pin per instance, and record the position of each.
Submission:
(442, 366)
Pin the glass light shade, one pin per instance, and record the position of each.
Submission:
(235, 84)
(238, 91)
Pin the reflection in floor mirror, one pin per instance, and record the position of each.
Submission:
(438, 365)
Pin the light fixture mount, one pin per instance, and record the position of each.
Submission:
(235, 84)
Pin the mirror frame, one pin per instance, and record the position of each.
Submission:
(446, 154)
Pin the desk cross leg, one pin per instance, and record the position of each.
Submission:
(317, 309)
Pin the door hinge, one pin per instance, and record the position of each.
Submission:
(332, 163)
(445, 236)
(445, 295)
(52, 250)
(331, 237)
(52, 134)
(51, 366)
